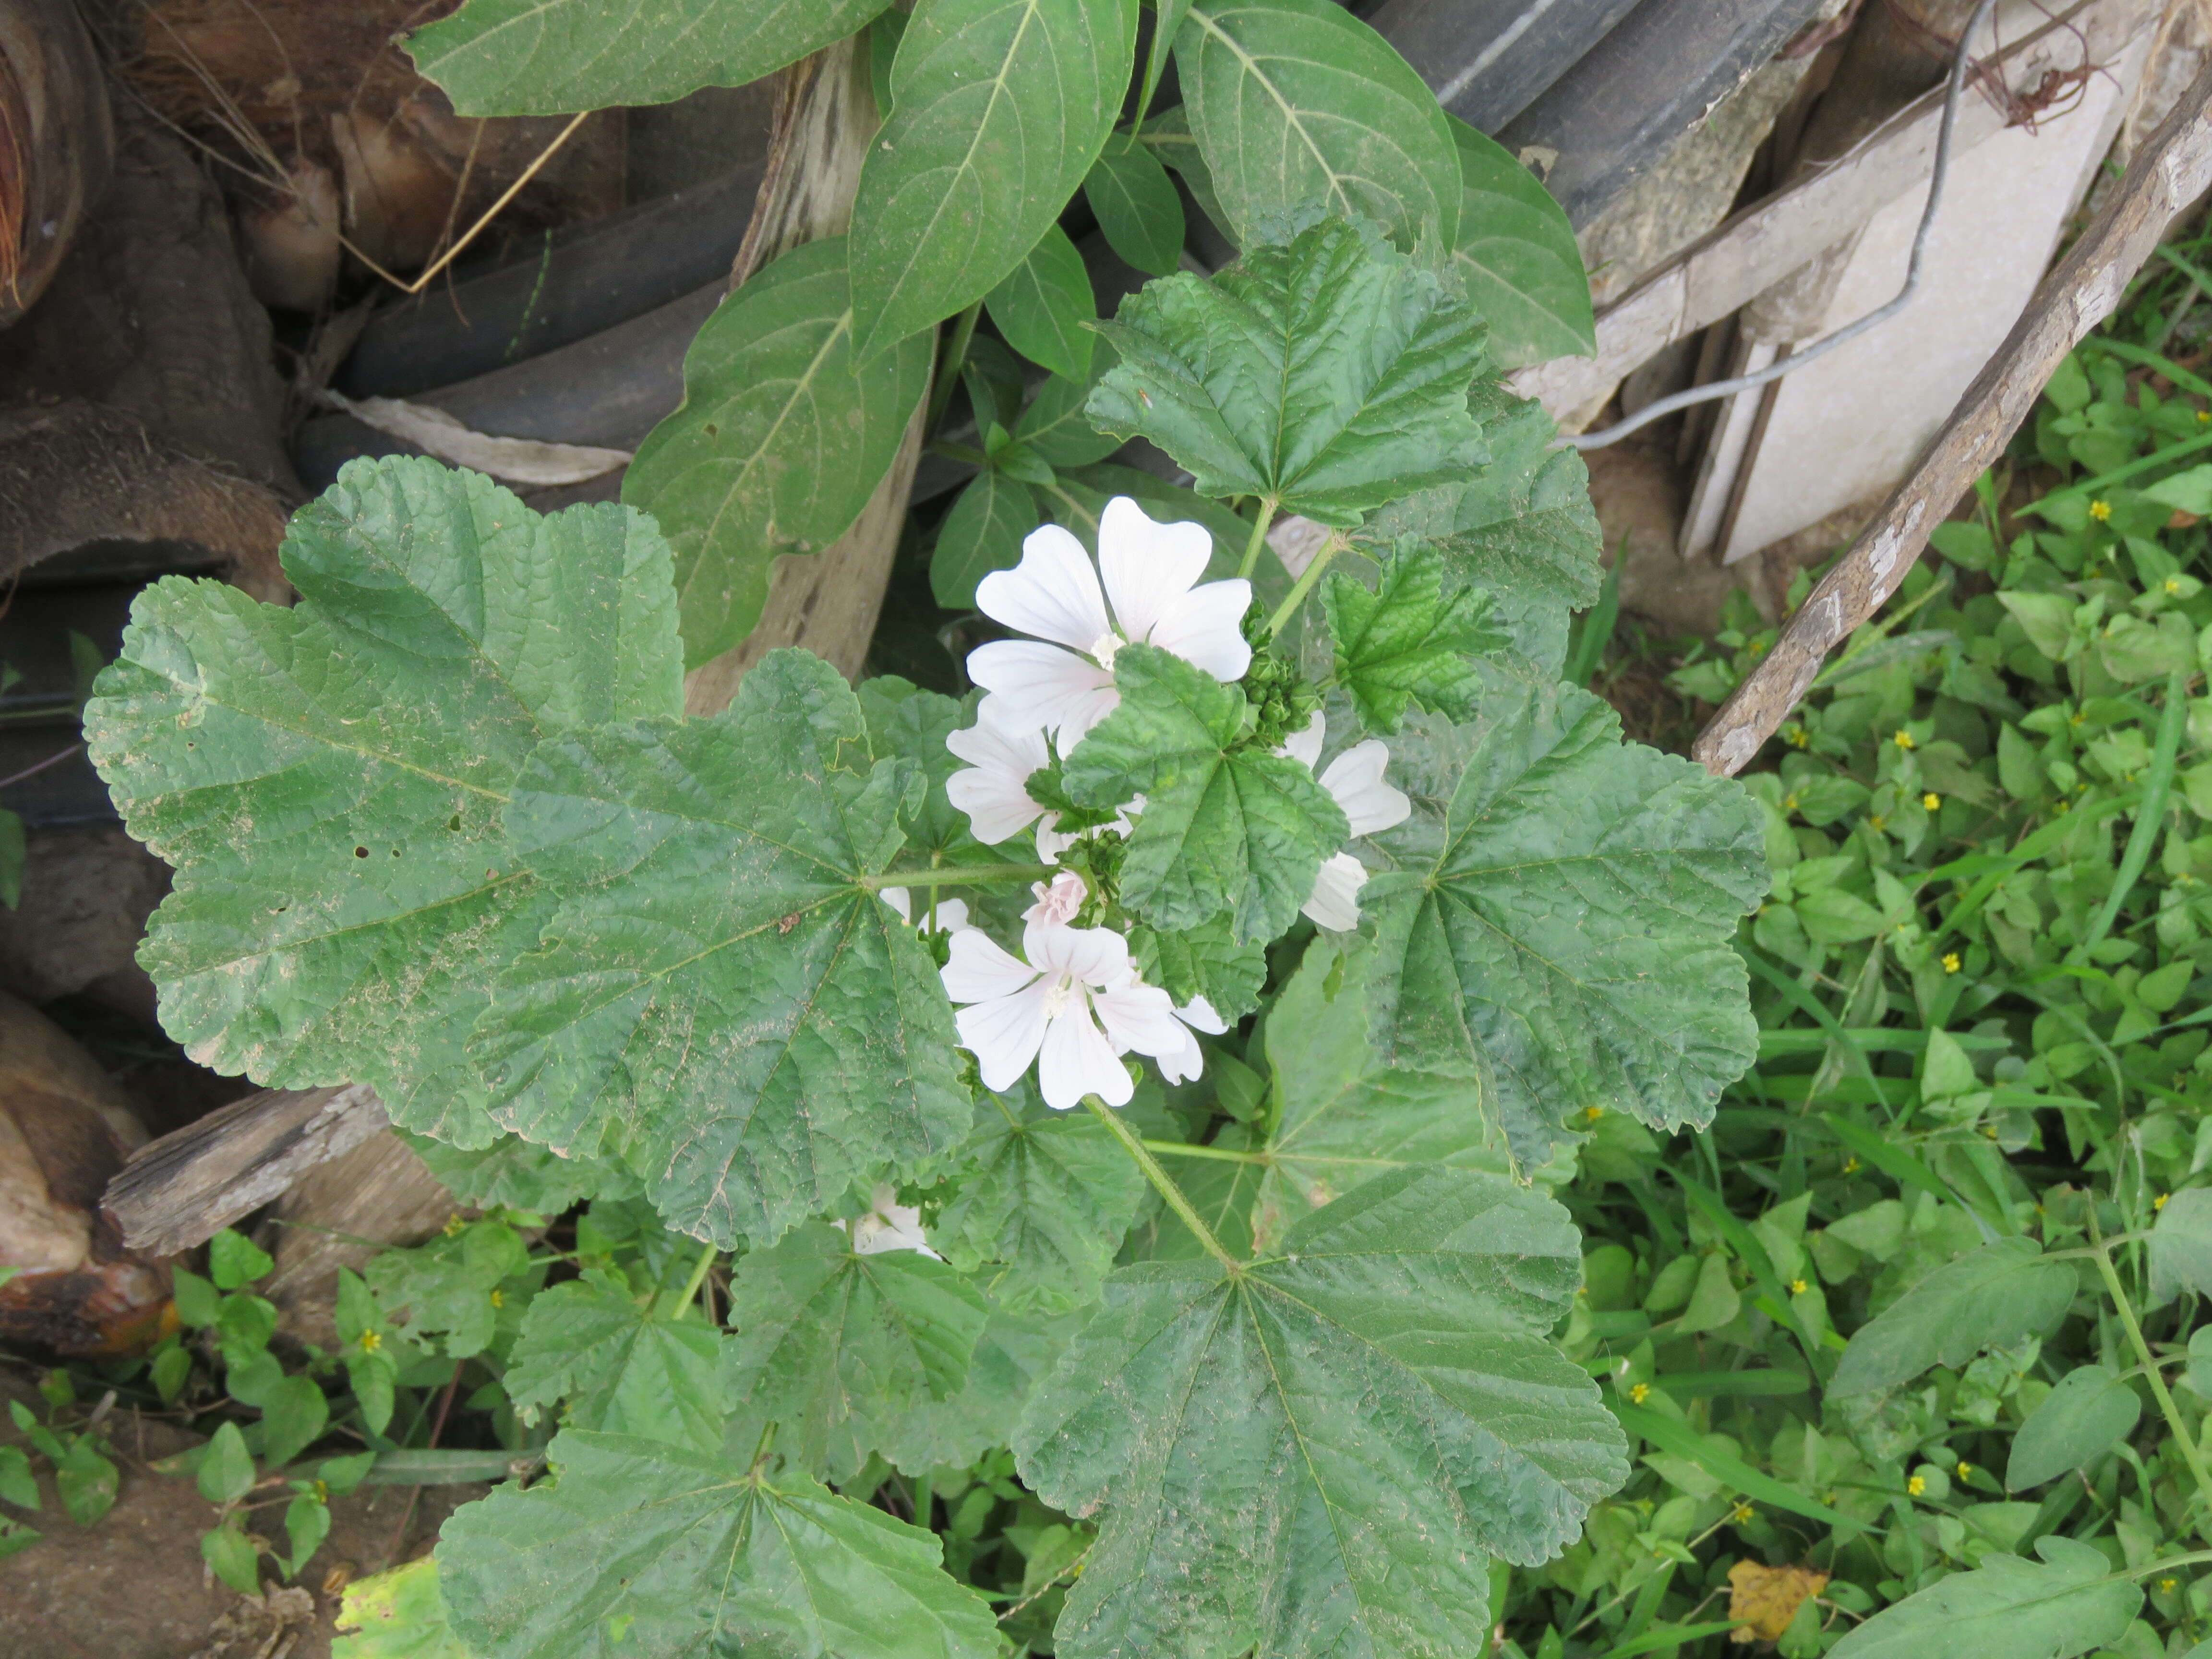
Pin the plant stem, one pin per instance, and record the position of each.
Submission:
(1184, 1149)
(1289, 607)
(1162, 1182)
(2190, 1452)
(691, 1284)
(956, 875)
(1259, 537)
(949, 365)
(2150, 815)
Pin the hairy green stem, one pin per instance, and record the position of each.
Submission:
(1259, 537)
(699, 1270)
(1162, 1182)
(949, 365)
(1297, 597)
(2190, 1452)
(960, 875)
(1184, 1149)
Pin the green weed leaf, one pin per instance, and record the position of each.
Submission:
(999, 108)
(1992, 1295)
(758, 1029)
(686, 1554)
(1315, 1455)
(2006, 1608)
(2181, 1246)
(2088, 1413)
(329, 779)
(1297, 101)
(781, 439)
(1515, 253)
(1137, 208)
(1224, 829)
(1329, 375)
(1044, 306)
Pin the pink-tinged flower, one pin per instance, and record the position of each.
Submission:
(1152, 592)
(889, 1225)
(1354, 781)
(1188, 1061)
(1049, 1009)
(949, 915)
(993, 788)
(1056, 905)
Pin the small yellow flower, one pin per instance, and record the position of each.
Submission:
(1797, 735)
(2173, 584)
(1798, 1287)
(1591, 1114)
(1950, 962)
(1932, 801)
(2159, 1203)
(1915, 1486)
(1639, 1393)
(1965, 1469)
(2100, 510)
(499, 1298)
(2168, 1585)
(1744, 1512)
(453, 1225)
(2204, 418)
(1879, 821)
(370, 1341)
(1904, 739)
(1851, 1165)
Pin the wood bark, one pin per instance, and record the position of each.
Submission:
(2170, 172)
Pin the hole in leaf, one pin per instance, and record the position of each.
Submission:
(712, 430)
(361, 852)
(454, 822)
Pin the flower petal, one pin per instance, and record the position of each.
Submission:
(1042, 686)
(1355, 780)
(1097, 956)
(1004, 1034)
(1052, 593)
(1186, 1063)
(1148, 566)
(1077, 1060)
(979, 970)
(1198, 1014)
(1335, 902)
(1140, 1017)
(1057, 904)
(1205, 627)
(1303, 745)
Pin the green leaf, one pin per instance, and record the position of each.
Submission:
(1045, 1196)
(1315, 1455)
(17, 1484)
(1055, 428)
(447, 1285)
(1043, 306)
(999, 108)
(13, 847)
(1991, 1296)
(591, 1345)
(685, 1554)
(1223, 827)
(1329, 375)
(983, 532)
(198, 1304)
(328, 779)
(1341, 1117)
(307, 1523)
(2088, 1413)
(1516, 253)
(234, 1260)
(1203, 962)
(15, 1537)
(226, 1473)
(2006, 1608)
(1679, 1438)
(835, 1344)
(2181, 1246)
(1408, 643)
(1296, 101)
(293, 1415)
(1013, 1355)
(760, 1026)
(1137, 207)
(512, 1174)
(1556, 919)
(233, 1556)
(782, 437)
(552, 57)
(397, 1614)
(907, 721)
(85, 1480)
(1524, 531)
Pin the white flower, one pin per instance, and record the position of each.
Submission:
(949, 915)
(1056, 905)
(889, 1225)
(1354, 781)
(1188, 1061)
(992, 789)
(1151, 573)
(1044, 1010)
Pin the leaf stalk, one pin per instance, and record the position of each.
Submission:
(2190, 1453)
(1297, 596)
(1162, 1182)
(959, 875)
(1251, 561)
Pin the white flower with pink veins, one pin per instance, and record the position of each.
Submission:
(1050, 1007)
(1152, 593)
(1354, 781)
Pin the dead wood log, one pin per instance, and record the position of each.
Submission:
(2169, 172)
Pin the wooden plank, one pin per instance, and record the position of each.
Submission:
(2172, 170)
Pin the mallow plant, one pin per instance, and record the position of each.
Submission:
(1156, 1063)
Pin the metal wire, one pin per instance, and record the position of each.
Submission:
(1664, 407)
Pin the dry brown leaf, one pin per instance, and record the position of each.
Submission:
(1768, 1597)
